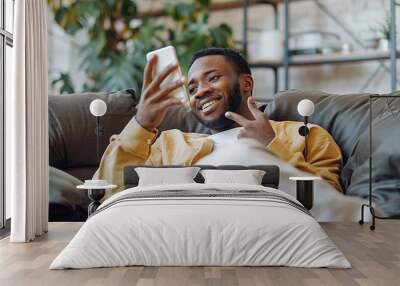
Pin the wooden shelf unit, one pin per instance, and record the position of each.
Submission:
(215, 6)
(301, 60)
(320, 59)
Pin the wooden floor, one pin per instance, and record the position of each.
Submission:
(374, 255)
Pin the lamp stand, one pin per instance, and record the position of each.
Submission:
(305, 186)
(370, 206)
(304, 131)
(99, 131)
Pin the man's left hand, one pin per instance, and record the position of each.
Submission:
(260, 128)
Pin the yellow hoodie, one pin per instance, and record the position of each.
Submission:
(138, 146)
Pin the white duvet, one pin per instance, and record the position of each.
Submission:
(200, 231)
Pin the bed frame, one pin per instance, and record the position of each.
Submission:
(270, 179)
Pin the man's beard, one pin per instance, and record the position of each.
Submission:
(222, 123)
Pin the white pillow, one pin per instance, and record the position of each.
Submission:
(248, 177)
(164, 176)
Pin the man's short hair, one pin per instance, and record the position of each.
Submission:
(241, 65)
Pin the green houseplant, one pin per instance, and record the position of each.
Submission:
(114, 56)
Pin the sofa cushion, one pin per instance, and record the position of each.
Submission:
(72, 137)
(182, 119)
(345, 117)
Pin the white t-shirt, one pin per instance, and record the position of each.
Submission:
(230, 150)
(222, 140)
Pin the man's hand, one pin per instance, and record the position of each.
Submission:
(154, 101)
(259, 129)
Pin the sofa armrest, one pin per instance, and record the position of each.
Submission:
(66, 202)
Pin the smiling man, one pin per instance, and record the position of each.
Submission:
(220, 88)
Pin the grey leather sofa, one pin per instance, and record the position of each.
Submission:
(73, 153)
(346, 117)
(72, 147)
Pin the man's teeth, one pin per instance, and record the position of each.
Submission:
(208, 104)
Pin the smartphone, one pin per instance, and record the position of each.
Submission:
(167, 56)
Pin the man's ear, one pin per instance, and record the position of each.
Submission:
(246, 84)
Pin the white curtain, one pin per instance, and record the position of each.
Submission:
(27, 123)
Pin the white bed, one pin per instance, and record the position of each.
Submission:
(184, 230)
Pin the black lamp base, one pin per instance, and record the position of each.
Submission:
(95, 196)
(305, 193)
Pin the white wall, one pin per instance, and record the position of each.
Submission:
(359, 15)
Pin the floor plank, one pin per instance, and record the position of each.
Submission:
(374, 255)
